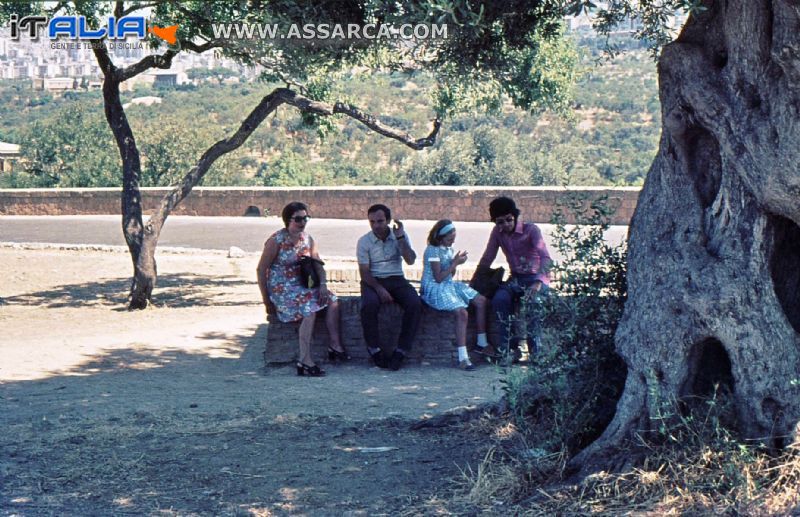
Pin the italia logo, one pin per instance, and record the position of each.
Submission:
(77, 28)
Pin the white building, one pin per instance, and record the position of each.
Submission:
(9, 153)
(56, 84)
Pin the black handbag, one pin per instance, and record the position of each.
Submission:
(309, 277)
(486, 280)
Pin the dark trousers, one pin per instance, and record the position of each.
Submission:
(405, 296)
(503, 304)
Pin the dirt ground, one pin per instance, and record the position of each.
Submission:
(170, 411)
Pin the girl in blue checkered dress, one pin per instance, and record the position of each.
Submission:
(442, 292)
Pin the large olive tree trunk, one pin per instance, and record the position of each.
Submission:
(714, 257)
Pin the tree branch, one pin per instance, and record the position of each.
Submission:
(199, 49)
(163, 61)
(321, 108)
(267, 105)
(388, 131)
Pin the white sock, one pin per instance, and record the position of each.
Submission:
(482, 342)
(373, 351)
(462, 354)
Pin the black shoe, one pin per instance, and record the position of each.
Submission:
(335, 355)
(311, 371)
(378, 359)
(396, 361)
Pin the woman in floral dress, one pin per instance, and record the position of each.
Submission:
(441, 292)
(285, 296)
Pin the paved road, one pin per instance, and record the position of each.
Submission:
(336, 237)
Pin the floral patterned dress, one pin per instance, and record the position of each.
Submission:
(448, 294)
(292, 300)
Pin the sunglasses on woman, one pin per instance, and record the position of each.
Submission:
(504, 220)
(301, 218)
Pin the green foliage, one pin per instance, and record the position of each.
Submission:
(493, 51)
(74, 148)
(483, 156)
(166, 159)
(656, 19)
(610, 138)
(500, 49)
(572, 384)
(288, 170)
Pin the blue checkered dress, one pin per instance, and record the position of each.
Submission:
(448, 294)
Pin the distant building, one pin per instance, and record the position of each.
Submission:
(15, 69)
(153, 79)
(144, 101)
(583, 23)
(169, 78)
(28, 59)
(56, 84)
(9, 153)
(580, 23)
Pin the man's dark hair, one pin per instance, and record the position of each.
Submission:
(386, 211)
(290, 209)
(503, 206)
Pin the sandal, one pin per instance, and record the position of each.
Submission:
(335, 355)
(311, 371)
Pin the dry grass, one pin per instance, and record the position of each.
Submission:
(495, 481)
(690, 472)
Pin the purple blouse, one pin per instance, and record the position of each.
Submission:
(524, 249)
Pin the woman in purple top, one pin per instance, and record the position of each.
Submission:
(529, 261)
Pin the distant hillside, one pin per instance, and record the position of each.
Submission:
(610, 138)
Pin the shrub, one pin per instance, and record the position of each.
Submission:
(567, 394)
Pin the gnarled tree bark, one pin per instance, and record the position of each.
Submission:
(714, 248)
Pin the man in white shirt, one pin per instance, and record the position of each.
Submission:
(380, 255)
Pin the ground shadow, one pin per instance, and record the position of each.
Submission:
(172, 290)
(206, 429)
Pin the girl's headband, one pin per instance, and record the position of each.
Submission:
(446, 229)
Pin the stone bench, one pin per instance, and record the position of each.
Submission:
(435, 340)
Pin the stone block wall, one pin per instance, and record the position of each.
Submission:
(407, 202)
(435, 341)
